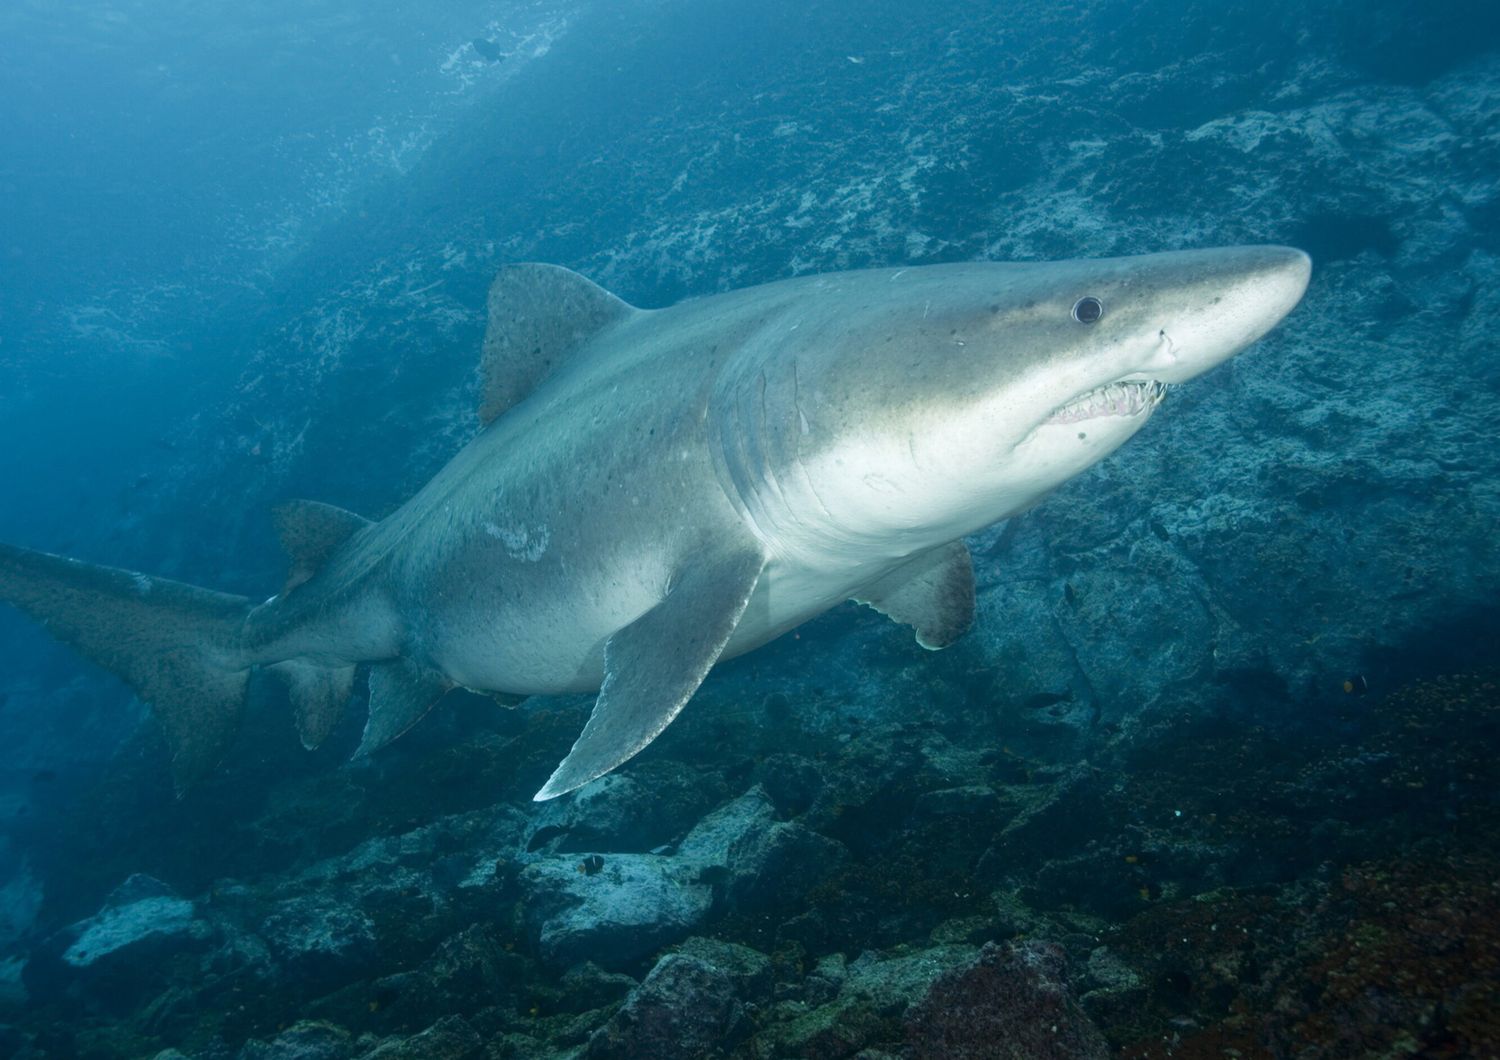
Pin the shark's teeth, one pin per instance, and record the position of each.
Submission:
(1128, 398)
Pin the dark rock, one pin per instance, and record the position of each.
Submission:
(808, 929)
(319, 939)
(781, 864)
(450, 1038)
(1013, 1001)
(587, 986)
(872, 992)
(749, 970)
(686, 1008)
(973, 800)
(792, 781)
(1114, 988)
(307, 1040)
(626, 813)
(826, 979)
(466, 972)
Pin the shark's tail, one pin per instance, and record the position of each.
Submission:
(176, 645)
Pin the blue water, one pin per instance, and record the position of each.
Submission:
(1245, 666)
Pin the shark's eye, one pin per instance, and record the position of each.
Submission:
(1087, 310)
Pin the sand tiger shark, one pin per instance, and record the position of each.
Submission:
(655, 490)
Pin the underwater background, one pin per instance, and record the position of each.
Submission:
(1216, 772)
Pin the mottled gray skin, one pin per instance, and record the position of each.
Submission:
(837, 424)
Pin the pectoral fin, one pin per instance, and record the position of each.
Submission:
(655, 664)
(932, 592)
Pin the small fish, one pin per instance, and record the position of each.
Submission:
(1046, 699)
(1356, 685)
(591, 865)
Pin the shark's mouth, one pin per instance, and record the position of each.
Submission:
(1132, 397)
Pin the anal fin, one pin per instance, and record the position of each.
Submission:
(401, 694)
(653, 666)
(318, 695)
(932, 592)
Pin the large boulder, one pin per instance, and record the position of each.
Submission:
(615, 908)
(692, 1004)
(780, 864)
(622, 812)
(855, 1003)
(124, 949)
(1011, 1003)
(611, 909)
(319, 940)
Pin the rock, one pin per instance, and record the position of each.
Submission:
(891, 982)
(306, 1040)
(319, 939)
(143, 918)
(970, 929)
(827, 1032)
(974, 800)
(123, 951)
(1115, 988)
(780, 864)
(450, 1038)
(1107, 972)
(686, 1008)
(619, 812)
(749, 970)
(791, 781)
(872, 990)
(587, 986)
(767, 861)
(710, 840)
(826, 979)
(1011, 1003)
(632, 906)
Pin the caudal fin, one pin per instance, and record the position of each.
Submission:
(176, 645)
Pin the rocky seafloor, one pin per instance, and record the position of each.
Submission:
(1134, 812)
(1228, 882)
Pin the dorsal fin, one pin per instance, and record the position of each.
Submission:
(310, 532)
(538, 315)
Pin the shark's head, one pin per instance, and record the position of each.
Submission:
(934, 401)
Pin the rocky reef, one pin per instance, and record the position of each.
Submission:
(1215, 773)
(1224, 881)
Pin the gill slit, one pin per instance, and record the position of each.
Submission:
(803, 421)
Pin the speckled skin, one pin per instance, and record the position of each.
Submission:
(837, 424)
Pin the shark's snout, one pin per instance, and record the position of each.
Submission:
(1233, 298)
(1281, 282)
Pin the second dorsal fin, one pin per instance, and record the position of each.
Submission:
(538, 314)
(310, 532)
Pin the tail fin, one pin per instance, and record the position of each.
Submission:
(176, 645)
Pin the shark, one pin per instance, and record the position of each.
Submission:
(652, 491)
